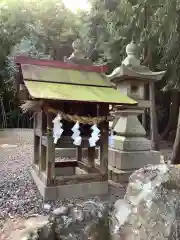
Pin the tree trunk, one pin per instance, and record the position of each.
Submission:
(153, 121)
(173, 114)
(176, 146)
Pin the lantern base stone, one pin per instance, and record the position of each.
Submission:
(125, 160)
(123, 163)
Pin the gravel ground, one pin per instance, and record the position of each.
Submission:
(18, 193)
(19, 196)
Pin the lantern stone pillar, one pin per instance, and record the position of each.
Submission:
(129, 149)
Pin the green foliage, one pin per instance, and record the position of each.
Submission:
(43, 29)
(54, 28)
(171, 56)
(46, 29)
(34, 27)
(111, 25)
(13, 26)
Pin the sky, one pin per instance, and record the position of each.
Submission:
(74, 5)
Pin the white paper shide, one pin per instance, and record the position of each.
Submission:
(57, 128)
(95, 135)
(76, 134)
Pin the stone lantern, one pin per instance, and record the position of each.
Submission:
(129, 148)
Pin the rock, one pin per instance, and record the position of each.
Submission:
(66, 224)
(60, 211)
(37, 222)
(122, 210)
(78, 215)
(31, 228)
(47, 207)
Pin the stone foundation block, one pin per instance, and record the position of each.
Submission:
(69, 191)
(126, 160)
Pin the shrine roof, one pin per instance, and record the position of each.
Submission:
(49, 79)
(54, 91)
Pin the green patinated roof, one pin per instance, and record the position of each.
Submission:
(69, 92)
(68, 84)
(58, 75)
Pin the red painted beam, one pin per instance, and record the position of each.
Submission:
(59, 64)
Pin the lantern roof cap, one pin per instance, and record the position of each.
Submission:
(132, 68)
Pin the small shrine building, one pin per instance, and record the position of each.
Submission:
(69, 100)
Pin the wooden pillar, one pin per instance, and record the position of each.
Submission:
(144, 119)
(104, 148)
(91, 156)
(36, 148)
(50, 151)
(42, 147)
(42, 164)
(36, 145)
(42, 158)
(79, 153)
(153, 121)
(104, 127)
